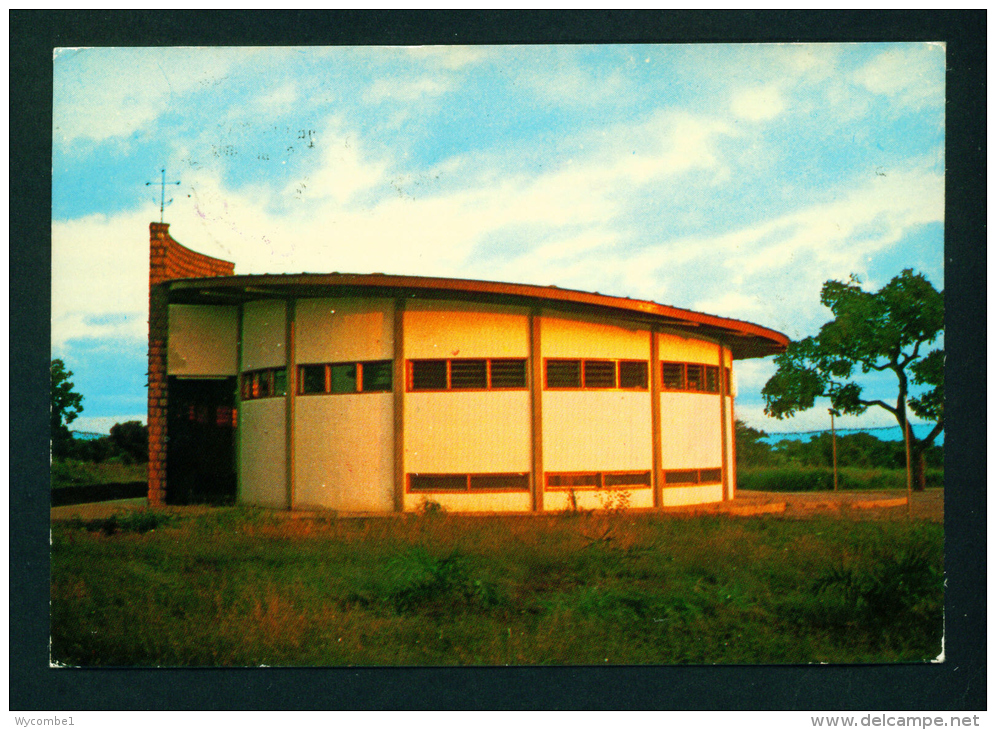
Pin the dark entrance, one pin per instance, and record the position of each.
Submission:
(200, 441)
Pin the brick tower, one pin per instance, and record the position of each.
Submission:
(167, 260)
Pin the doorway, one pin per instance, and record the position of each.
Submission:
(200, 441)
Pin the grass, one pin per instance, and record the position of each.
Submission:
(813, 479)
(73, 473)
(242, 587)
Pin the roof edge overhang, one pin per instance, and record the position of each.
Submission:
(745, 339)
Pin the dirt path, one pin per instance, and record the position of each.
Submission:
(881, 505)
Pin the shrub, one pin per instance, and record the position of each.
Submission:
(423, 581)
(899, 588)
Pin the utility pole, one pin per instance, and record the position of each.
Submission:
(833, 440)
(909, 473)
(162, 197)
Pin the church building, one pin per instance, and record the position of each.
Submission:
(377, 393)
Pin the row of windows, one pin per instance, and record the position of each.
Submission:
(692, 377)
(515, 482)
(482, 374)
(596, 374)
(345, 377)
(693, 476)
(567, 481)
(467, 374)
(266, 383)
(598, 480)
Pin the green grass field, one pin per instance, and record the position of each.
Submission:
(787, 478)
(74, 473)
(235, 586)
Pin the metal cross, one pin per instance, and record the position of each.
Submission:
(162, 199)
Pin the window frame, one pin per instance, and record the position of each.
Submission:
(707, 371)
(582, 374)
(697, 477)
(252, 381)
(358, 366)
(468, 478)
(599, 477)
(411, 363)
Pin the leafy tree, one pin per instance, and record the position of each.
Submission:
(871, 331)
(751, 450)
(66, 405)
(132, 440)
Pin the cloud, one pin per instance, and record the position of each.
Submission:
(572, 85)
(104, 93)
(757, 104)
(912, 74)
(406, 90)
(449, 57)
(100, 270)
(344, 171)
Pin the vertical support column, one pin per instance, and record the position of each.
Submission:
(536, 407)
(158, 332)
(238, 405)
(291, 397)
(724, 471)
(657, 476)
(733, 451)
(398, 384)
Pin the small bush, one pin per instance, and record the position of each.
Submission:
(899, 589)
(431, 507)
(423, 581)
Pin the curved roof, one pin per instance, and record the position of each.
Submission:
(745, 339)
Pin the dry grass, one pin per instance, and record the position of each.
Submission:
(246, 587)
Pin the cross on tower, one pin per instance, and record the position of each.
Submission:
(162, 199)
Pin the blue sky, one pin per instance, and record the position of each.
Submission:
(729, 179)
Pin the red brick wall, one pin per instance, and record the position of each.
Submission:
(167, 260)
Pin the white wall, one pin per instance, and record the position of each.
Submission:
(262, 445)
(456, 330)
(682, 348)
(696, 494)
(558, 501)
(343, 443)
(468, 433)
(343, 330)
(590, 338)
(597, 430)
(263, 334)
(203, 340)
(691, 436)
(471, 502)
(345, 452)
(458, 432)
(691, 423)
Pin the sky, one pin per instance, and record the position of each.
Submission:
(731, 179)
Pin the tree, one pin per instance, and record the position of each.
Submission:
(883, 331)
(66, 405)
(131, 439)
(752, 450)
